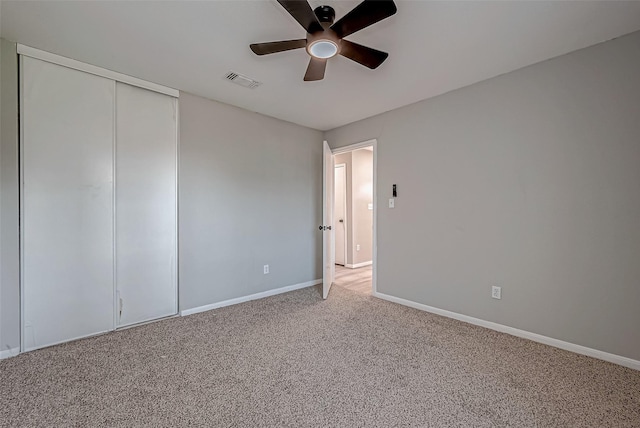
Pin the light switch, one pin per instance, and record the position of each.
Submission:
(392, 203)
(369, 206)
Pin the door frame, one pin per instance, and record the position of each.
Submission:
(344, 193)
(345, 149)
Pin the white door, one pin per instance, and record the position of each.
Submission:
(340, 213)
(146, 219)
(66, 211)
(328, 250)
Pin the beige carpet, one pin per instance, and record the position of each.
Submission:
(294, 360)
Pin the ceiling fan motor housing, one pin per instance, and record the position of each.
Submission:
(325, 14)
(319, 43)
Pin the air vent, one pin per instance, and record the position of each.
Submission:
(241, 80)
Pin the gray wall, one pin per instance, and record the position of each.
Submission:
(9, 250)
(530, 181)
(250, 195)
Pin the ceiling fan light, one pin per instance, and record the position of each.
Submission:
(323, 49)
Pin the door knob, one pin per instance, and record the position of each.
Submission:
(341, 221)
(329, 227)
(320, 228)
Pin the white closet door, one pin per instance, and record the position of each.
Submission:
(67, 217)
(146, 219)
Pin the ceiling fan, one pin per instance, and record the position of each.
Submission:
(325, 39)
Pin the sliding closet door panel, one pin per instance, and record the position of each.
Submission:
(146, 231)
(67, 215)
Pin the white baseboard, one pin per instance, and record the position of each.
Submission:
(8, 353)
(359, 265)
(250, 297)
(578, 349)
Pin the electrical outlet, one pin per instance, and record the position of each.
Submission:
(358, 247)
(266, 269)
(392, 203)
(496, 292)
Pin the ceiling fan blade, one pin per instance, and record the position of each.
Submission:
(366, 56)
(273, 47)
(302, 12)
(366, 13)
(315, 70)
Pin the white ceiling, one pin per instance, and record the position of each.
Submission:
(434, 47)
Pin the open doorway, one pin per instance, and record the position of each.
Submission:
(354, 217)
